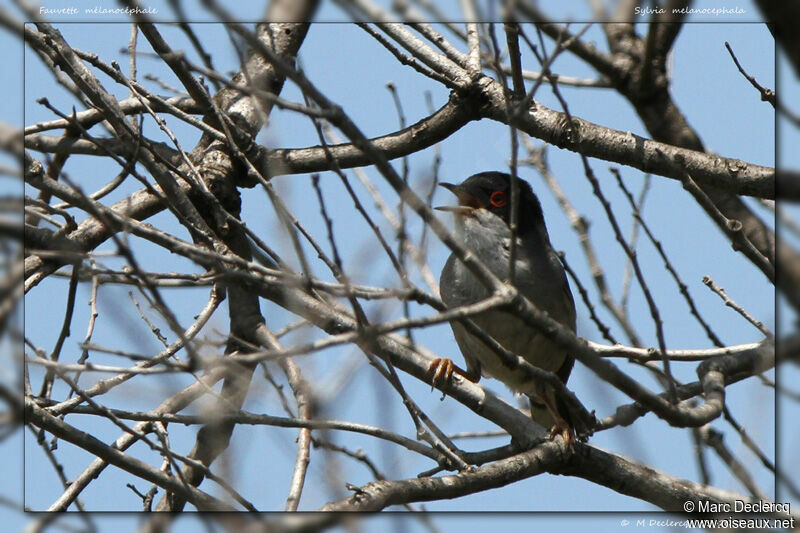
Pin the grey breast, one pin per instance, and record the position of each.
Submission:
(540, 277)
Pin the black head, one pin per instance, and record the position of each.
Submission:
(492, 191)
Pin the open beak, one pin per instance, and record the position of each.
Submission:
(458, 209)
(466, 202)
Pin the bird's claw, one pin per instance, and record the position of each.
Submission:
(442, 369)
(566, 433)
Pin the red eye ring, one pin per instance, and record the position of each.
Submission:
(498, 199)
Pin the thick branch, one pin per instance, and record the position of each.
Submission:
(592, 140)
(423, 134)
(616, 472)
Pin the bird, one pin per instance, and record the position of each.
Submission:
(482, 223)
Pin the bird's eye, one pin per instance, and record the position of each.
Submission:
(498, 199)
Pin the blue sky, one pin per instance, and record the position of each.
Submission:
(718, 102)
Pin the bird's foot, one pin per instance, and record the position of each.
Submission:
(443, 369)
(561, 426)
(566, 432)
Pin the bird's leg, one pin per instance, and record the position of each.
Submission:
(443, 369)
(561, 427)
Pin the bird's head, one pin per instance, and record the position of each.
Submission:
(489, 193)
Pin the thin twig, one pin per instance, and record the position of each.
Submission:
(767, 95)
(581, 226)
(719, 291)
(684, 290)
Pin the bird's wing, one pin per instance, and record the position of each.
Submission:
(447, 287)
